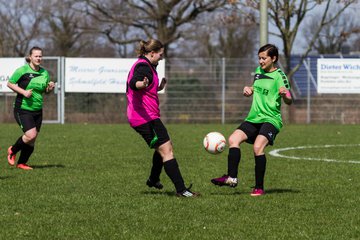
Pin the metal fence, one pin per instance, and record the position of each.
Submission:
(199, 90)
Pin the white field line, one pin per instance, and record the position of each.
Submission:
(276, 153)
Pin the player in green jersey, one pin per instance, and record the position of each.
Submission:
(264, 120)
(29, 82)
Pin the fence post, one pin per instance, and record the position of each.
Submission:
(57, 88)
(62, 90)
(308, 120)
(223, 92)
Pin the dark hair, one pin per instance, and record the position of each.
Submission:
(27, 58)
(149, 46)
(272, 51)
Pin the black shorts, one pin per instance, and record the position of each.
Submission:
(252, 130)
(154, 133)
(28, 119)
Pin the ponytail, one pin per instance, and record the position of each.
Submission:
(149, 46)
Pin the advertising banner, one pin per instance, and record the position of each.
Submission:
(7, 68)
(338, 75)
(100, 75)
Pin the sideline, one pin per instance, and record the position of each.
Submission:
(276, 153)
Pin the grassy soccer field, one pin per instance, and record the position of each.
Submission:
(88, 182)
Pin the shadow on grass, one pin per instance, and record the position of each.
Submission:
(228, 193)
(169, 193)
(267, 191)
(280, 190)
(5, 177)
(48, 166)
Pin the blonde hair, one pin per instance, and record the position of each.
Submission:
(149, 46)
(27, 58)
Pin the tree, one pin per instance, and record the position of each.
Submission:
(131, 20)
(288, 17)
(357, 45)
(333, 37)
(20, 26)
(227, 34)
(236, 36)
(65, 28)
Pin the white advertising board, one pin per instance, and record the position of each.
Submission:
(338, 75)
(100, 75)
(7, 68)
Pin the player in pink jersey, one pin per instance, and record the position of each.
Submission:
(143, 114)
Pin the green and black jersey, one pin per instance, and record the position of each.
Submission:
(266, 104)
(27, 78)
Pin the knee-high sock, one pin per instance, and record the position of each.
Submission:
(156, 168)
(233, 162)
(26, 152)
(260, 167)
(173, 171)
(18, 146)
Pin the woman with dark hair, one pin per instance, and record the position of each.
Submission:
(143, 114)
(264, 120)
(29, 82)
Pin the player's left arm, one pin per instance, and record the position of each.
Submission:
(162, 84)
(284, 88)
(286, 95)
(50, 84)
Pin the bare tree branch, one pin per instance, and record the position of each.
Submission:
(324, 21)
(150, 18)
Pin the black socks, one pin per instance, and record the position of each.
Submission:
(172, 170)
(19, 144)
(233, 162)
(156, 168)
(260, 167)
(26, 152)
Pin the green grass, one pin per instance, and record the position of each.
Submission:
(89, 183)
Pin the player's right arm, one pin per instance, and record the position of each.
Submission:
(142, 77)
(12, 84)
(248, 91)
(19, 90)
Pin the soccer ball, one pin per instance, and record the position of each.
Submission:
(214, 142)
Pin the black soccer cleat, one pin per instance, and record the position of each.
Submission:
(157, 184)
